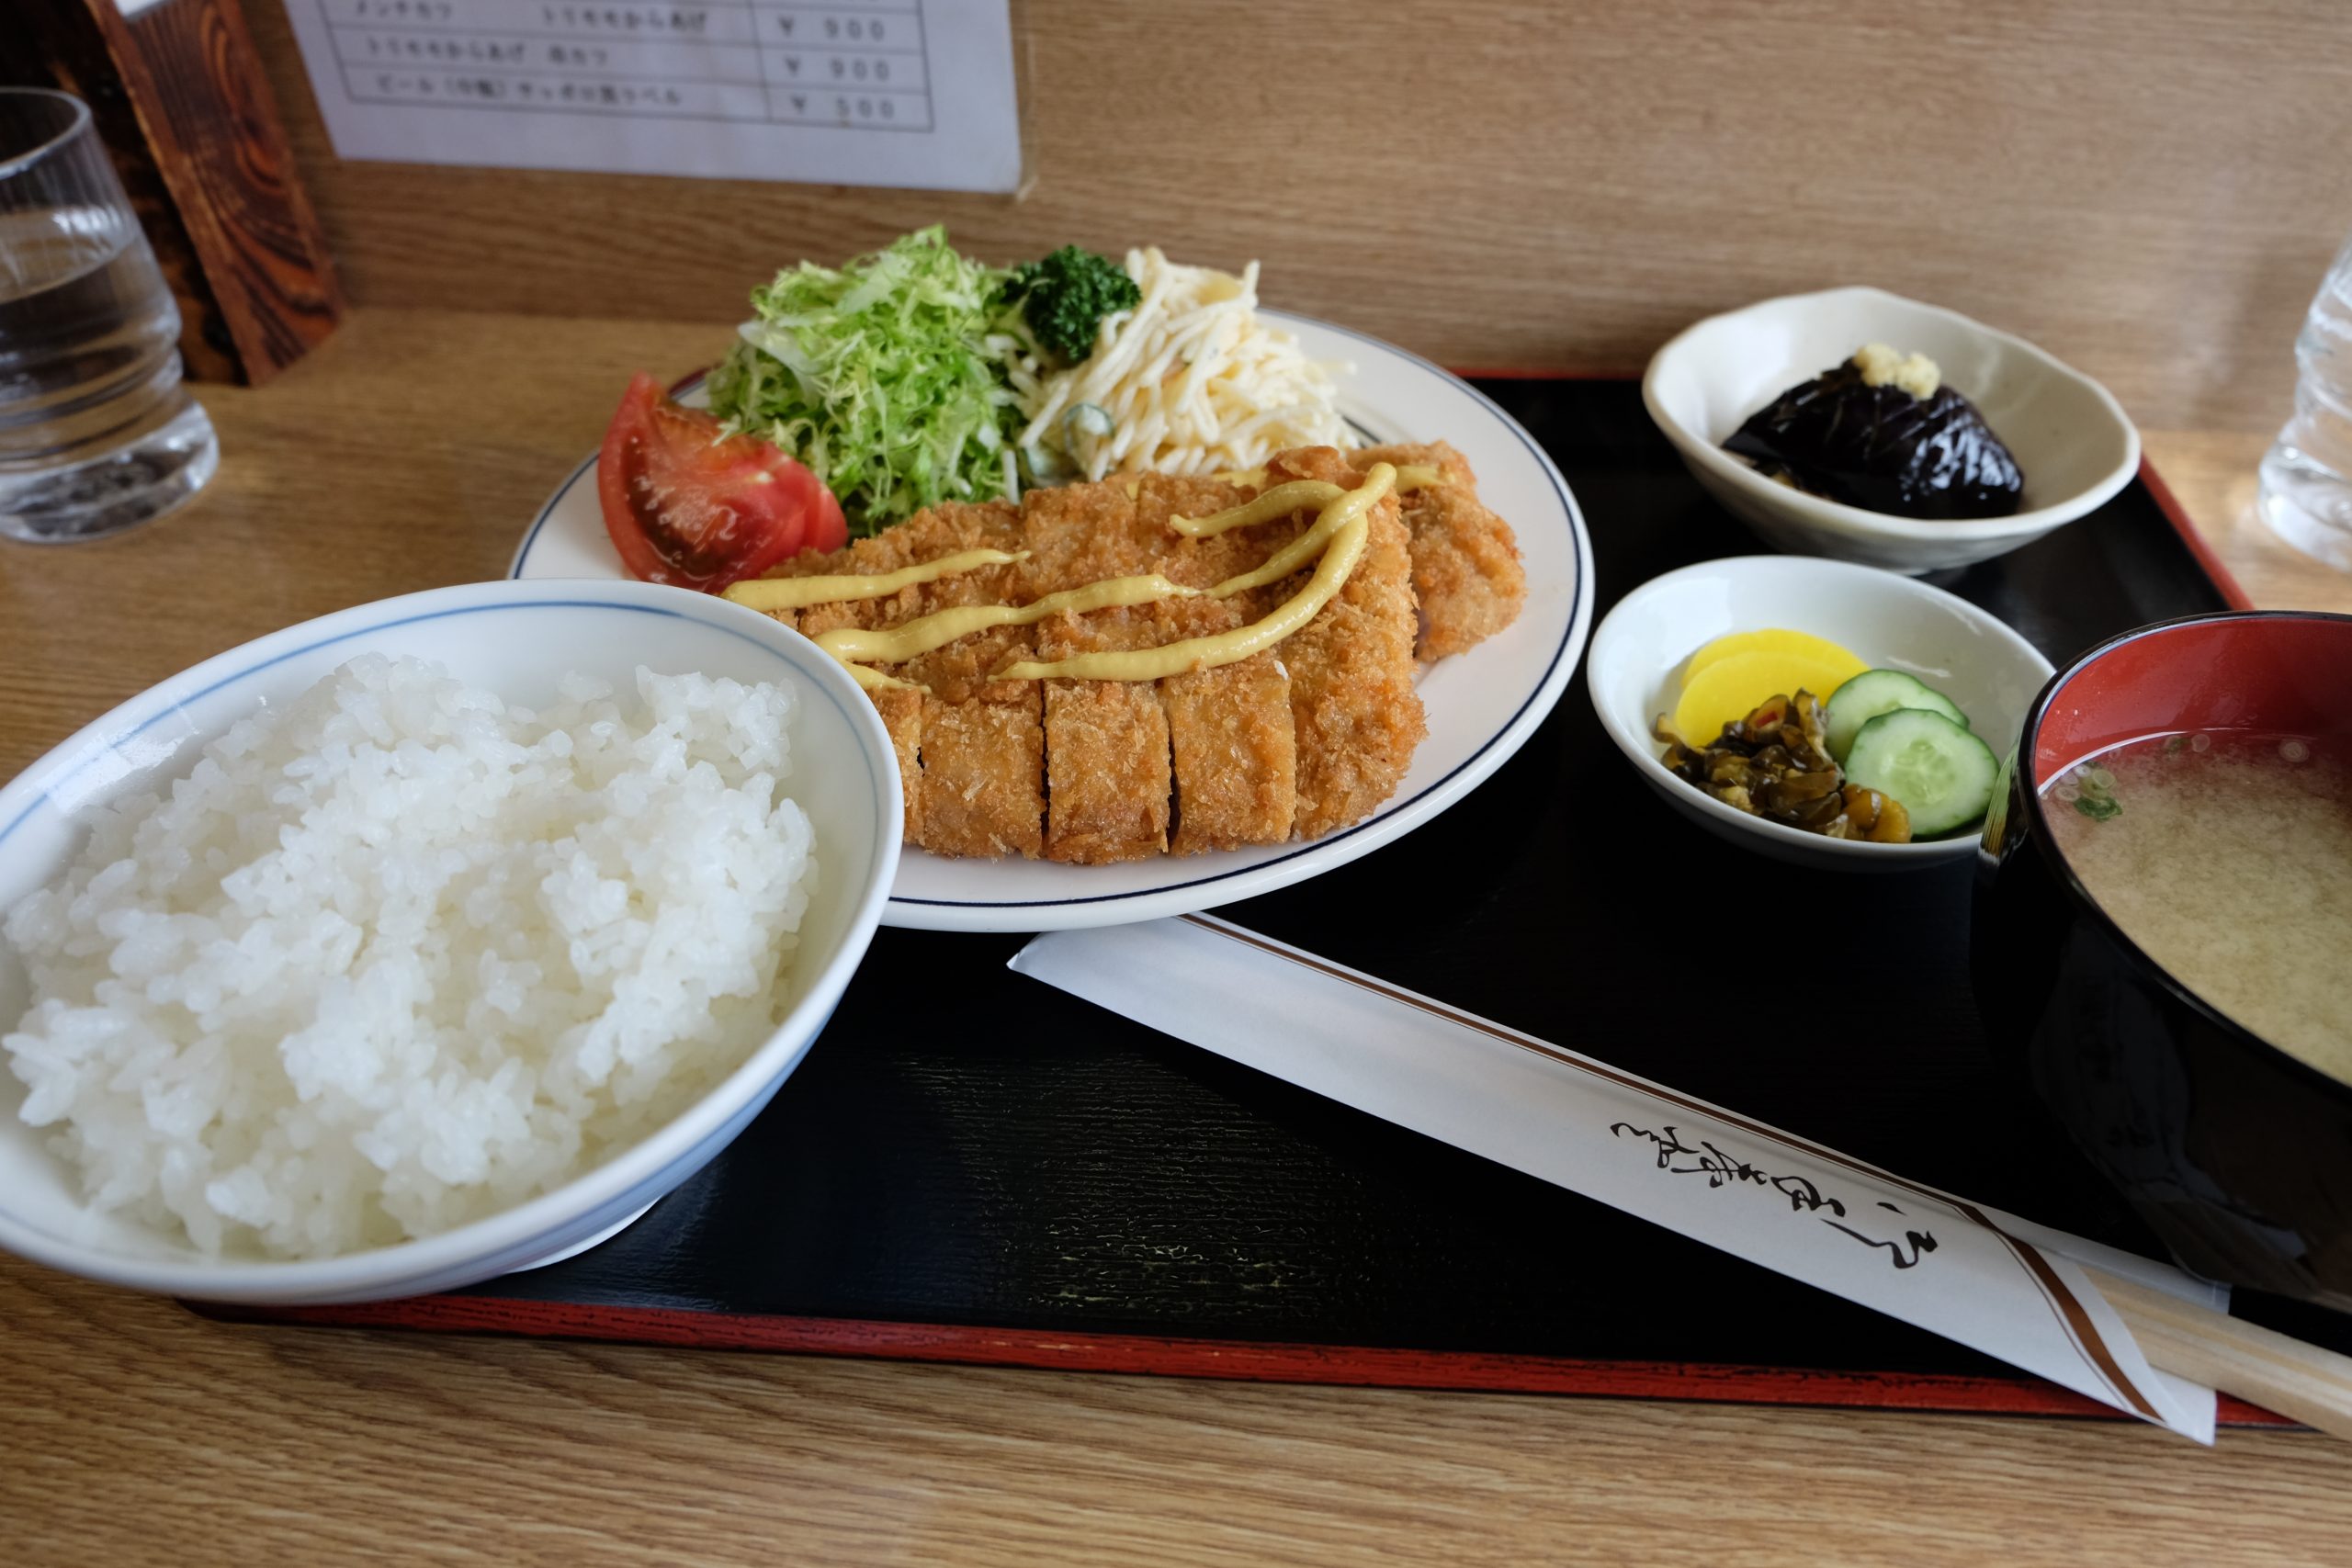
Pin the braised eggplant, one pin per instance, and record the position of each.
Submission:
(1882, 432)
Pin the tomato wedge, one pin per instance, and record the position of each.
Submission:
(688, 505)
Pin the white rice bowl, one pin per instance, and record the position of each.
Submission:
(395, 956)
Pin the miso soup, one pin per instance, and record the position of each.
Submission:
(2227, 858)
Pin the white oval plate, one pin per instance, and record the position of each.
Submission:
(1482, 706)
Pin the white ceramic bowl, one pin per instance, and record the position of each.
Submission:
(2071, 438)
(1634, 672)
(518, 639)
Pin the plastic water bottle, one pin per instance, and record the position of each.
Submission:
(2307, 476)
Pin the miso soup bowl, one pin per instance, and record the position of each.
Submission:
(2237, 1155)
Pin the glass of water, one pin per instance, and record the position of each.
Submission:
(2307, 478)
(97, 433)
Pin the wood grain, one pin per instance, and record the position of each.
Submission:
(2212, 472)
(2149, 188)
(2285, 1374)
(192, 74)
(62, 45)
(408, 452)
(306, 1445)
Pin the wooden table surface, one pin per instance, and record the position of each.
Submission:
(408, 454)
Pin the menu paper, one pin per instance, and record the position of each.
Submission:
(911, 93)
(1987, 1279)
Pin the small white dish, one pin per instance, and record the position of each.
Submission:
(1482, 706)
(2072, 440)
(1634, 673)
(518, 639)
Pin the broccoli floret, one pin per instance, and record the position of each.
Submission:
(1066, 296)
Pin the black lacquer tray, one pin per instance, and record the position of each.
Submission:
(979, 1169)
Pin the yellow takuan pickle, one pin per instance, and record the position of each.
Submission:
(943, 626)
(1346, 548)
(799, 592)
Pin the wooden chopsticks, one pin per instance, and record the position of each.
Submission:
(2256, 1364)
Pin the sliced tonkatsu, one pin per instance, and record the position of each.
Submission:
(1466, 571)
(1151, 705)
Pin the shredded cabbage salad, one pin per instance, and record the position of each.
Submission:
(881, 377)
(915, 375)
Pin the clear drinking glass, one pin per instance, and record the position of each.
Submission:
(2307, 478)
(96, 430)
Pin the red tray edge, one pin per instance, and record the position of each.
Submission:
(1234, 1360)
(1242, 1360)
(2210, 564)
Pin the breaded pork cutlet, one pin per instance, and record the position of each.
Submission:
(1296, 740)
(1204, 563)
(971, 752)
(1106, 741)
(1233, 744)
(1106, 746)
(901, 711)
(1083, 533)
(983, 756)
(1466, 572)
(1221, 739)
(1356, 714)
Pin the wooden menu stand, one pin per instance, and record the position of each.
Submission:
(179, 97)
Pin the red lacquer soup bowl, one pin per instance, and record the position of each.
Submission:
(2236, 1153)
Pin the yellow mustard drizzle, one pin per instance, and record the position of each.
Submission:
(1344, 508)
(1279, 502)
(943, 626)
(1410, 476)
(1346, 544)
(874, 680)
(1285, 499)
(798, 592)
(1340, 532)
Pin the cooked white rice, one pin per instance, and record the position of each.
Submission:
(396, 956)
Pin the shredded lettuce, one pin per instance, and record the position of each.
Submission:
(878, 377)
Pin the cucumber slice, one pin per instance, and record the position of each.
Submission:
(1873, 693)
(1941, 773)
